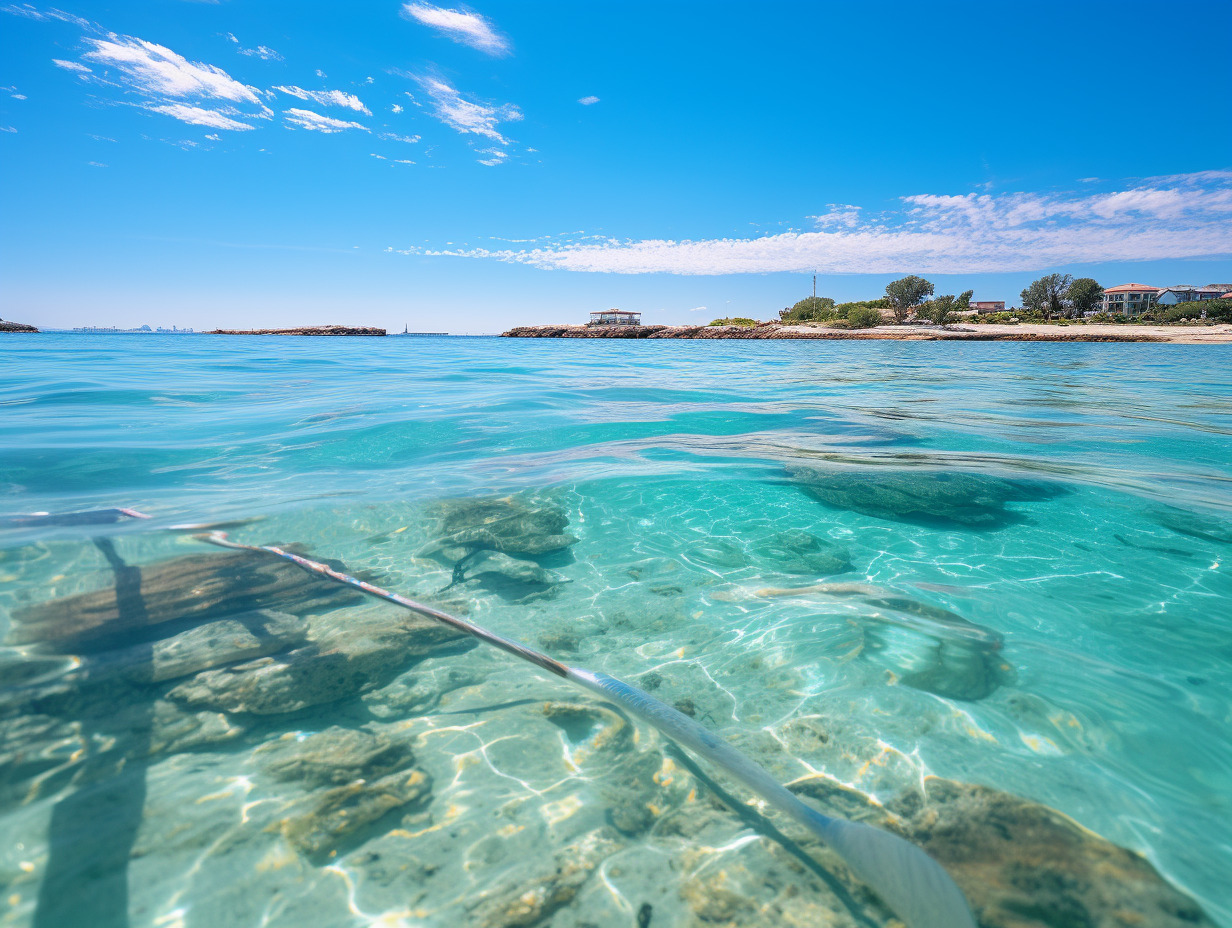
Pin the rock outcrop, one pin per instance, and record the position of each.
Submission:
(16, 327)
(305, 330)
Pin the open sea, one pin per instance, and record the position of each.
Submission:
(980, 594)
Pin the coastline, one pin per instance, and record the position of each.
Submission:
(1022, 332)
(305, 330)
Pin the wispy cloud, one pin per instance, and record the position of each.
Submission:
(315, 122)
(588, 101)
(467, 115)
(71, 66)
(395, 108)
(196, 116)
(158, 70)
(49, 15)
(261, 51)
(462, 25)
(394, 137)
(328, 98)
(1190, 217)
(494, 157)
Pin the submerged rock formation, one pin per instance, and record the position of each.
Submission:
(938, 498)
(494, 543)
(199, 587)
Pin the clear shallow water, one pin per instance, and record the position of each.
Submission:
(1107, 697)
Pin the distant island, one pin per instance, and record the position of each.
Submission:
(305, 330)
(6, 326)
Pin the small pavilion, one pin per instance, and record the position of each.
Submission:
(615, 317)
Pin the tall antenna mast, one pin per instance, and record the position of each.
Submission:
(814, 285)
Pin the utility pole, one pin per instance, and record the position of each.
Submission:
(814, 285)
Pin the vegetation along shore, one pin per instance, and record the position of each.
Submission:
(1054, 308)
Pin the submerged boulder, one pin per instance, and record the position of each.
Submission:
(333, 757)
(803, 553)
(944, 498)
(344, 657)
(329, 821)
(1192, 524)
(201, 587)
(505, 524)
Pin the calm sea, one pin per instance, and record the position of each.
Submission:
(867, 562)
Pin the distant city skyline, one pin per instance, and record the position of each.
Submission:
(408, 164)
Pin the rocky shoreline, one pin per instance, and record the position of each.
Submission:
(775, 330)
(305, 330)
(6, 326)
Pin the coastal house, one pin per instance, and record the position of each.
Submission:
(615, 317)
(987, 306)
(1187, 293)
(1129, 299)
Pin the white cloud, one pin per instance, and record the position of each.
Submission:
(402, 161)
(20, 96)
(394, 137)
(395, 108)
(196, 116)
(328, 98)
(71, 66)
(939, 234)
(315, 122)
(7, 129)
(840, 214)
(30, 12)
(320, 73)
(464, 26)
(467, 116)
(381, 157)
(214, 137)
(158, 70)
(588, 101)
(698, 309)
(494, 157)
(96, 164)
(261, 51)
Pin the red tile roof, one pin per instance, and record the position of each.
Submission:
(1125, 288)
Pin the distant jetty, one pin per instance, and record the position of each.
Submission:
(976, 333)
(305, 330)
(16, 327)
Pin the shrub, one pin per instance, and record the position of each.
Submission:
(863, 317)
(742, 321)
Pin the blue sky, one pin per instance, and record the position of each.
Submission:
(468, 168)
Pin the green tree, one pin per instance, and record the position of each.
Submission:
(810, 309)
(1085, 295)
(1048, 295)
(942, 309)
(863, 317)
(905, 293)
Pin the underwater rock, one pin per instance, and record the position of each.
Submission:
(201, 587)
(1019, 863)
(803, 553)
(327, 822)
(507, 524)
(533, 892)
(923, 496)
(333, 757)
(411, 694)
(344, 658)
(717, 553)
(495, 565)
(1192, 524)
(923, 646)
(224, 641)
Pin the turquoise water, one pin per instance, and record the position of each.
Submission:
(742, 543)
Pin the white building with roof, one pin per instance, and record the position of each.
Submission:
(1129, 299)
(1187, 293)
